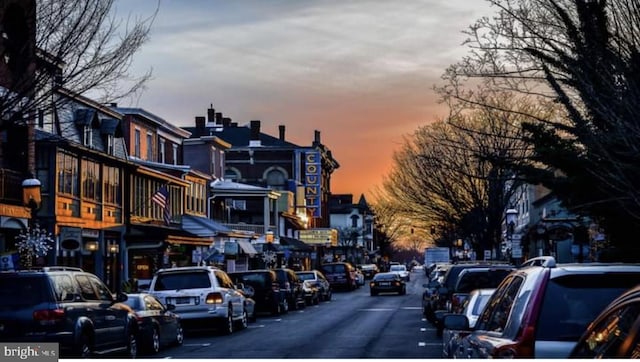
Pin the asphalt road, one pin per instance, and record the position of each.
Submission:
(352, 325)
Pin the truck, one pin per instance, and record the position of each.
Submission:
(435, 255)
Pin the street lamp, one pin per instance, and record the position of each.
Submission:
(511, 215)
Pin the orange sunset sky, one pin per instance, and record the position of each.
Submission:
(360, 72)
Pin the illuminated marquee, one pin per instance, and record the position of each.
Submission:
(312, 176)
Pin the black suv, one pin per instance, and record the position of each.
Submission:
(267, 293)
(340, 275)
(67, 306)
(292, 287)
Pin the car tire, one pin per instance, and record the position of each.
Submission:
(179, 335)
(227, 323)
(132, 345)
(154, 341)
(84, 347)
(244, 321)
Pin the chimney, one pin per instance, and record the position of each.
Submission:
(254, 140)
(200, 122)
(211, 114)
(316, 137)
(281, 132)
(226, 121)
(218, 118)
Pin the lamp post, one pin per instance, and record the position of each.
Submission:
(511, 215)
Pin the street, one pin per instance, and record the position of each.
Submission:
(352, 325)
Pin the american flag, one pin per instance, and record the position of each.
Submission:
(161, 197)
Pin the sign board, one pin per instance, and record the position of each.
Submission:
(487, 255)
(319, 236)
(312, 182)
(516, 252)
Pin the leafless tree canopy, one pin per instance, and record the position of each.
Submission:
(83, 46)
(584, 55)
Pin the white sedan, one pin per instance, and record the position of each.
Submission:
(400, 270)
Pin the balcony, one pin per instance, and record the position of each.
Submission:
(258, 229)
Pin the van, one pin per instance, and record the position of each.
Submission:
(267, 293)
(340, 275)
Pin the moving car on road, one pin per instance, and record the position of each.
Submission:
(388, 282)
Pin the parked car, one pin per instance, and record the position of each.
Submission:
(472, 308)
(615, 333)
(292, 287)
(541, 311)
(266, 289)
(202, 295)
(369, 270)
(67, 306)
(387, 282)
(440, 292)
(476, 278)
(341, 275)
(401, 270)
(319, 280)
(158, 326)
(311, 293)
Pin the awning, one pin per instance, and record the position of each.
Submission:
(247, 247)
(184, 240)
(294, 244)
(202, 226)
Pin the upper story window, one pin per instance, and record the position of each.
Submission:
(136, 143)
(149, 147)
(232, 174)
(91, 180)
(67, 169)
(354, 221)
(111, 180)
(87, 137)
(175, 154)
(110, 144)
(276, 179)
(163, 154)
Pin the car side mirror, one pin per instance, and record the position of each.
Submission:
(170, 306)
(121, 297)
(455, 321)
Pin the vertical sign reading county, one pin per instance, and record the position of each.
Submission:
(312, 182)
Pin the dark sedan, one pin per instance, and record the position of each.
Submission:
(389, 282)
(158, 326)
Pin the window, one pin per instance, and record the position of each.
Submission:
(86, 289)
(354, 221)
(110, 144)
(495, 316)
(136, 143)
(91, 180)
(87, 138)
(67, 174)
(111, 178)
(103, 293)
(162, 151)
(175, 154)
(276, 179)
(150, 147)
(232, 174)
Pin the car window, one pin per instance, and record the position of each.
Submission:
(64, 288)
(103, 292)
(197, 279)
(470, 280)
(571, 302)
(223, 279)
(611, 334)
(23, 292)
(494, 318)
(134, 303)
(256, 280)
(86, 289)
(306, 276)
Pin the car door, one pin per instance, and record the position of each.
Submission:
(164, 317)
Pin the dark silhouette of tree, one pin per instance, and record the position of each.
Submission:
(584, 55)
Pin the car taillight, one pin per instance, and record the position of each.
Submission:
(214, 298)
(397, 284)
(48, 316)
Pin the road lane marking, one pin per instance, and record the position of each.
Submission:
(425, 344)
(196, 344)
(377, 310)
(411, 308)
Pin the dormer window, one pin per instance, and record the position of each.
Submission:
(110, 144)
(87, 138)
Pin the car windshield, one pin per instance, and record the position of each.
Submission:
(176, 281)
(572, 302)
(479, 279)
(398, 268)
(133, 302)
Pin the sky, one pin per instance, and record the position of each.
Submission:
(359, 72)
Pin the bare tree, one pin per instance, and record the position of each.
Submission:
(583, 55)
(79, 45)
